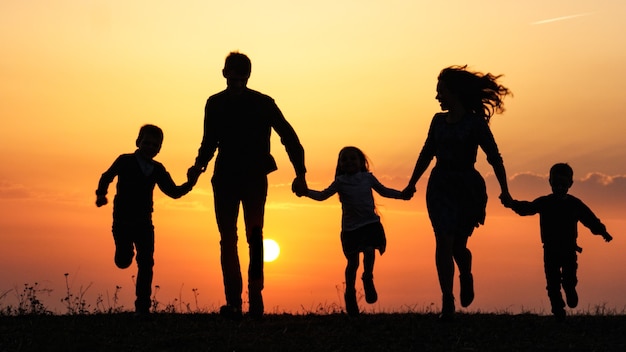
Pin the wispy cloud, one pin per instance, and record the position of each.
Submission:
(562, 18)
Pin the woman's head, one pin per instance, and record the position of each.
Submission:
(351, 160)
(478, 93)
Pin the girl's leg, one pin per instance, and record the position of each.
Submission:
(369, 256)
(445, 271)
(350, 295)
(463, 258)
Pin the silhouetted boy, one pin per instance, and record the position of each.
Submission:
(137, 173)
(559, 214)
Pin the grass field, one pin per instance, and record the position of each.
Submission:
(328, 332)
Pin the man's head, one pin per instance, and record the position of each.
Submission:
(561, 178)
(237, 70)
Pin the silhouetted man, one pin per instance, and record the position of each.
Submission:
(238, 123)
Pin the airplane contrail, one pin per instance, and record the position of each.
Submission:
(562, 18)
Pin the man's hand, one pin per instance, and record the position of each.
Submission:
(299, 186)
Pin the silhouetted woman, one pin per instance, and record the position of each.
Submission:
(456, 195)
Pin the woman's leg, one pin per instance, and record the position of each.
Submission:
(463, 258)
(445, 271)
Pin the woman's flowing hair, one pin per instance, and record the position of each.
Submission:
(479, 92)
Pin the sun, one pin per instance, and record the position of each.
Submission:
(271, 250)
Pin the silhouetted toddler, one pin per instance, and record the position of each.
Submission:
(361, 230)
(559, 214)
(137, 173)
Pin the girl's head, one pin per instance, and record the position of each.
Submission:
(351, 160)
(478, 93)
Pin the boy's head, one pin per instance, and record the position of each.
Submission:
(561, 178)
(237, 70)
(149, 141)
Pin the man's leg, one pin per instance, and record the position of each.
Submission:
(253, 202)
(226, 211)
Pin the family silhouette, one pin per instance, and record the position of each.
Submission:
(238, 123)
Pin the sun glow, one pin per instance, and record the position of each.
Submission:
(271, 250)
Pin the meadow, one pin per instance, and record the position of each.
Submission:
(30, 326)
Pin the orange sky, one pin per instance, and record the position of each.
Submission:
(79, 79)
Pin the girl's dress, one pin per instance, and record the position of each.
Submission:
(456, 195)
(358, 209)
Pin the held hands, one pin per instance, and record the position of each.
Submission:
(506, 199)
(299, 186)
(408, 192)
(193, 173)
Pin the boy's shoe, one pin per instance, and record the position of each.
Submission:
(447, 308)
(467, 289)
(571, 296)
(370, 291)
(231, 312)
(352, 308)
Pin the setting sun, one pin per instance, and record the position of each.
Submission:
(271, 250)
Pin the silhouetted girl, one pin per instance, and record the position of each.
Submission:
(361, 230)
(456, 195)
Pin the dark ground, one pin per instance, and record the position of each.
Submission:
(333, 332)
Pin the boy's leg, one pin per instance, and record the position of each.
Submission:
(124, 248)
(570, 280)
(144, 243)
(463, 259)
(253, 203)
(369, 256)
(552, 269)
(352, 266)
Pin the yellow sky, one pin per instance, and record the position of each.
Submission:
(80, 77)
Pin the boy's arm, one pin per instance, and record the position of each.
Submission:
(522, 207)
(104, 182)
(166, 183)
(591, 221)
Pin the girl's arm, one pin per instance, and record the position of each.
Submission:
(322, 195)
(385, 191)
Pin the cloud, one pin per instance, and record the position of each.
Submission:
(562, 18)
(13, 191)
